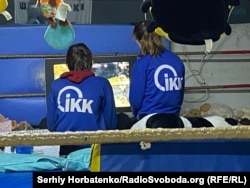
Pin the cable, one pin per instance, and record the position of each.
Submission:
(200, 79)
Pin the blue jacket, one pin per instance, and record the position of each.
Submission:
(157, 84)
(81, 101)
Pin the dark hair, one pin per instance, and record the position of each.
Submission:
(79, 57)
(150, 42)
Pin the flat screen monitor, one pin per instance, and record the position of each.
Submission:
(115, 68)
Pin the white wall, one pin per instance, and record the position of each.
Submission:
(219, 69)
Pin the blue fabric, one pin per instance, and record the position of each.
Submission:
(93, 110)
(75, 161)
(24, 149)
(78, 160)
(27, 162)
(157, 84)
(16, 180)
(60, 37)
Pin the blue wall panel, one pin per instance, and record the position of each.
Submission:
(22, 76)
(31, 109)
(177, 156)
(100, 38)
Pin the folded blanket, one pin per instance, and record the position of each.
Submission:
(78, 160)
(28, 162)
(75, 161)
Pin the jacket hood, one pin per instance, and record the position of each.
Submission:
(77, 76)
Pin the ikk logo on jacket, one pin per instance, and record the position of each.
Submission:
(74, 104)
(171, 83)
